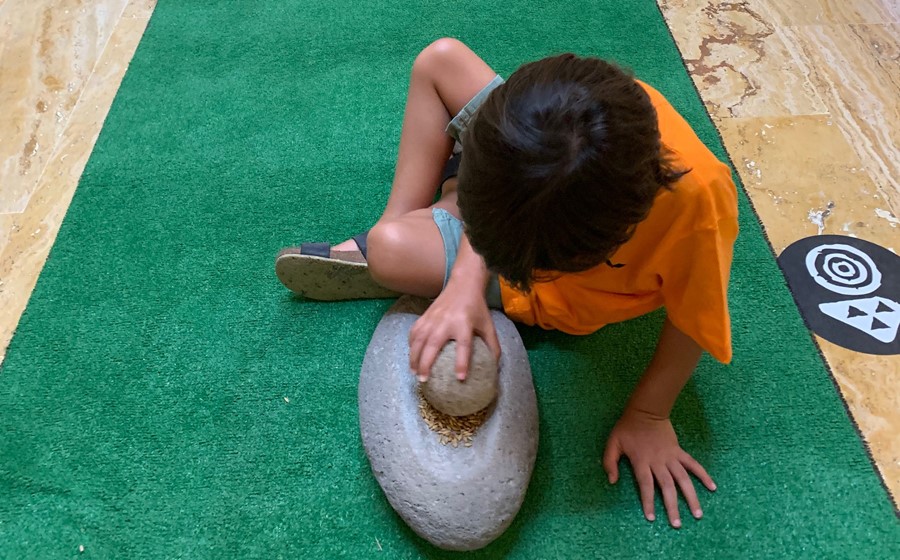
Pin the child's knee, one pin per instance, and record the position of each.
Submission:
(385, 242)
(439, 54)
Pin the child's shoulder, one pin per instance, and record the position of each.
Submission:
(677, 134)
(704, 199)
(708, 186)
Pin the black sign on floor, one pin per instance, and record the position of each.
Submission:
(848, 290)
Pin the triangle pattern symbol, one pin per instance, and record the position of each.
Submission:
(882, 308)
(854, 312)
(878, 317)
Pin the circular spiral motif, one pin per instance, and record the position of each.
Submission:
(843, 269)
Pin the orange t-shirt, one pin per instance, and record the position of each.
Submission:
(679, 257)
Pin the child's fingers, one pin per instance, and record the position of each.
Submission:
(416, 342)
(430, 351)
(611, 456)
(423, 349)
(489, 334)
(463, 356)
(669, 494)
(645, 483)
(683, 479)
(697, 470)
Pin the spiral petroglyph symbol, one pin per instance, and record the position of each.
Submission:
(848, 290)
(843, 269)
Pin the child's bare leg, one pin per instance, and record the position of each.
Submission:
(406, 251)
(406, 254)
(445, 76)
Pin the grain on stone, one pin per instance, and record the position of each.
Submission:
(451, 430)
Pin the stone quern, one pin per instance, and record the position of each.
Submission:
(457, 498)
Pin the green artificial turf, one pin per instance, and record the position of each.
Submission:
(165, 397)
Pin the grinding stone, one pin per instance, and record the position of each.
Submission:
(456, 498)
(460, 398)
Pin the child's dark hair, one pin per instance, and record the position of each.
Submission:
(559, 165)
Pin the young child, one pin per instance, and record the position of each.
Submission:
(585, 200)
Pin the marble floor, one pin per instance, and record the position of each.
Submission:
(806, 95)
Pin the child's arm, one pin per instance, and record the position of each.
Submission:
(645, 435)
(459, 311)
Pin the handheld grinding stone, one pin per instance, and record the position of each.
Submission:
(460, 398)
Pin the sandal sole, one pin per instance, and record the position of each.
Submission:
(328, 279)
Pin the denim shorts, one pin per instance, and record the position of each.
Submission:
(461, 121)
(451, 229)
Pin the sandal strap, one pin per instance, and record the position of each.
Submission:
(361, 243)
(324, 249)
(316, 249)
(451, 168)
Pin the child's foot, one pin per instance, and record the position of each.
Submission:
(320, 272)
(348, 246)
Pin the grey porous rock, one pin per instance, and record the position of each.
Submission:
(457, 498)
(460, 398)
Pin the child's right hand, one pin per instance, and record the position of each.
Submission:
(458, 313)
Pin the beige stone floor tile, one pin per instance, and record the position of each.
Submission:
(29, 235)
(139, 9)
(49, 49)
(819, 12)
(805, 179)
(746, 66)
(856, 71)
(739, 61)
(6, 226)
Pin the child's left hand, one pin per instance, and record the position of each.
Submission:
(651, 445)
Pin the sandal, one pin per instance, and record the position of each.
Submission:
(315, 271)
